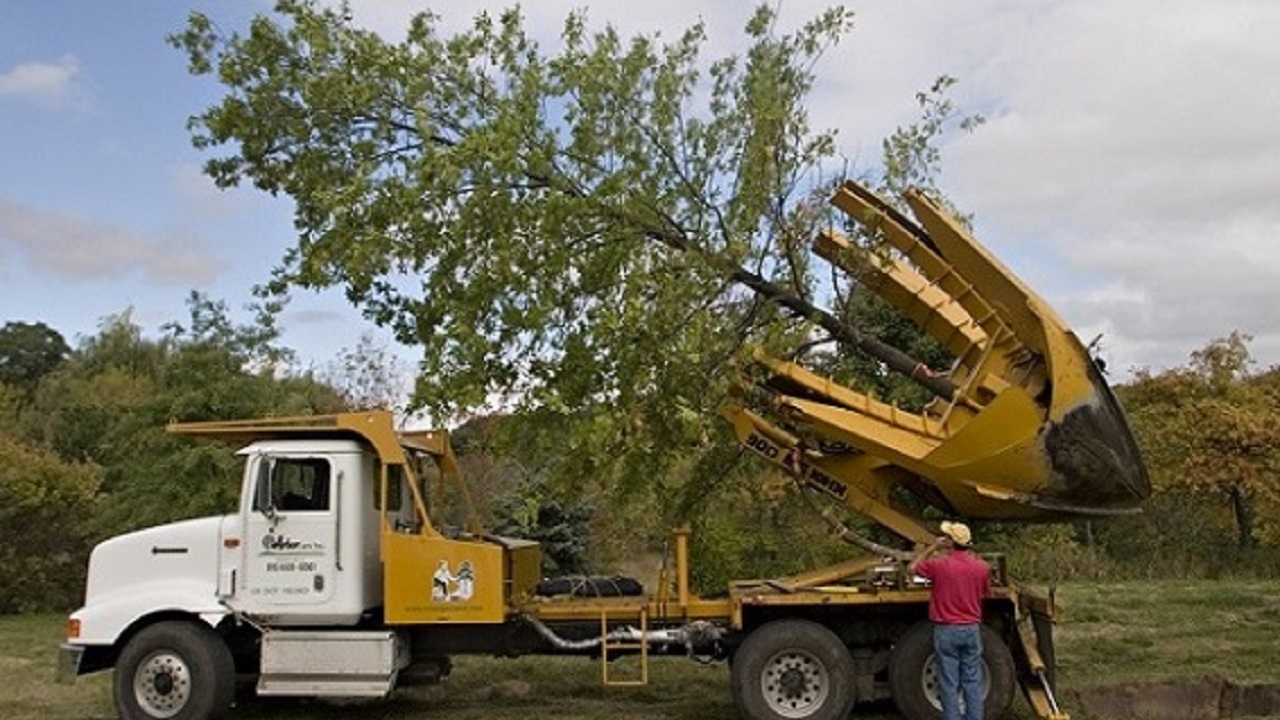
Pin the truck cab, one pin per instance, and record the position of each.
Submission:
(293, 587)
(302, 549)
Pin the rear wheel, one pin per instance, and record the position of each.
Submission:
(914, 681)
(174, 671)
(793, 670)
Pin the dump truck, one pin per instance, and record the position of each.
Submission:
(338, 575)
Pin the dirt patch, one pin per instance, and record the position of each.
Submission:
(1208, 699)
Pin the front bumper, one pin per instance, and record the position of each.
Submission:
(70, 658)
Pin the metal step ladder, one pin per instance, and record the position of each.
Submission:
(608, 644)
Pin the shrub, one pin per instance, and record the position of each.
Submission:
(45, 508)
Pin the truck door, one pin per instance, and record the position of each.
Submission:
(291, 531)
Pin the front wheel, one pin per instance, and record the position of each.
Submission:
(793, 670)
(916, 687)
(174, 671)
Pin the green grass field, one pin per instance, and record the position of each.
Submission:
(1171, 630)
(1114, 633)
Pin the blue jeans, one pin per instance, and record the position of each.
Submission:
(958, 649)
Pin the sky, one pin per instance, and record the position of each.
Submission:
(1128, 168)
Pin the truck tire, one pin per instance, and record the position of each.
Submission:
(174, 671)
(792, 670)
(913, 675)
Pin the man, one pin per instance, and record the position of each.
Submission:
(959, 581)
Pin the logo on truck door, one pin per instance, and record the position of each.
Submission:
(446, 586)
(273, 543)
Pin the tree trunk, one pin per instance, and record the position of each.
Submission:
(1242, 508)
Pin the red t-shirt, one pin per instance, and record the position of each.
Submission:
(960, 581)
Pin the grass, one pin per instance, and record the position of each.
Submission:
(28, 650)
(1113, 633)
(1144, 631)
(504, 689)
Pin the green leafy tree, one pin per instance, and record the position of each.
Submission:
(79, 410)
(911, 154)
(532, 511)
(28, 352)
(1211, 434)
(87, 456)
(583, 235)
(253, 346)
(11, 403)
(109, 403)
(44, 503)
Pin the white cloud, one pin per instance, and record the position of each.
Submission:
(47, 84)
(73, 248)
(317, 316)
(1134, 147)
(545, 19)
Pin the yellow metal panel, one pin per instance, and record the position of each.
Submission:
(855, 401)
(1011, 420)
(1000, 287)
(524, 568)
(895, 441)
(1070, 375)
(1000, 448)
(907, 238)
(377, 427)
(936, 312)
(438, 580)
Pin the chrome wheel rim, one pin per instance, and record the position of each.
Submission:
(162, 684)
(794, 683)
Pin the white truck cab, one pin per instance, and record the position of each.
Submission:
(166, 604)
(302, 550)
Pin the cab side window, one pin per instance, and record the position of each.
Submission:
(395, 492)
(293, 485)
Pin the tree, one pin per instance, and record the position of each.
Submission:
(369, 376)
(586, 235)
(1211, 431)
(109, 403)
(87, 455)
(43, 505)
(254, 346)
(28, 352)
(530, 511)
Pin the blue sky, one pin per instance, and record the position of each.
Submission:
(103, 207)
(1128, 169)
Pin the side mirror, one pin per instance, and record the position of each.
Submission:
(263, 498)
